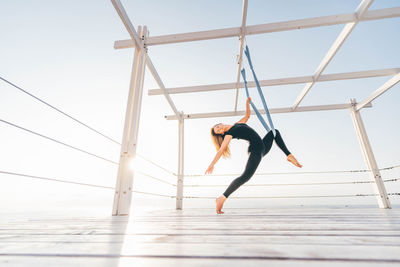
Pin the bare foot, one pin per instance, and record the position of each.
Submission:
(220, 202)
(294, 161)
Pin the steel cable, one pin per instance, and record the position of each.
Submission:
(329, 183)
(80, 122)
(59, 142)
(291, 173)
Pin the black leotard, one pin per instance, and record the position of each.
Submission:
(243, 131)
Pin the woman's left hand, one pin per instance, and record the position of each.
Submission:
(209, 169)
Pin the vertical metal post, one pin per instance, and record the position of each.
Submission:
(123, 189)
(179, 184)
(379, 186)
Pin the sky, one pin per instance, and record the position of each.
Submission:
(62, 52)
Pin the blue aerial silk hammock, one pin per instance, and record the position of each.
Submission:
(247, 52)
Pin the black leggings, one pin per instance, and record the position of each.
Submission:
(255, 159)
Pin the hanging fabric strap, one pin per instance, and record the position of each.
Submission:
(247, 53)
(252, 104)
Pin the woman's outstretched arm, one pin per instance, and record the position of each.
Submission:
(224, 144)
(247, 116)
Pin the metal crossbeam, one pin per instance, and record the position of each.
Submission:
(348, 28)
(264, 28)
(272, 111)
(135, 39)
(161, 84)
(279, 81)
(386, 86)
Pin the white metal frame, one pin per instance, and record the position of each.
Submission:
(142, 41)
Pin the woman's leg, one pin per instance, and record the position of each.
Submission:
(251, 166)
(280, 143)
(269, 137)
(268, 140)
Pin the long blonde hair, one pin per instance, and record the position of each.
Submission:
(217, 140)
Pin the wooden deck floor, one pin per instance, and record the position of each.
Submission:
(199, 237)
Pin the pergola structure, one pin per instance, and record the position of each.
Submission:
(140, 40)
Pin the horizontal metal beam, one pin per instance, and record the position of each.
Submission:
(264, 28)
(386, 86)
(280, 81)
(272, 111)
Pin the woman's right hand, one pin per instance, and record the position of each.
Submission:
(248, 100)
(209, 169)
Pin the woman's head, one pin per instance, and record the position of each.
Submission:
(217, 138)
(219, 128)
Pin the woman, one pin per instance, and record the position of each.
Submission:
(222, 134)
